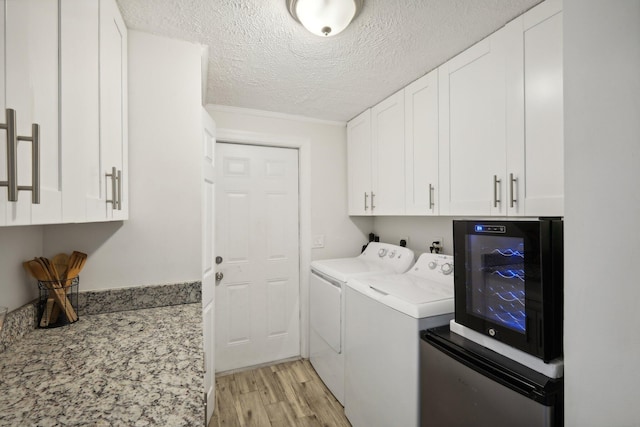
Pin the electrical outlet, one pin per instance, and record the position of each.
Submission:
(436, 239)
(439, 239)
(318, 241)
(406, 240)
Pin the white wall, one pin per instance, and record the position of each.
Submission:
(18, 244)
(160, 243)
(420, 230)
(602, 212)
(344, 236)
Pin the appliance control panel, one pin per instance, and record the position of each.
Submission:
(398, 257)
(480, 228)
(434, 266)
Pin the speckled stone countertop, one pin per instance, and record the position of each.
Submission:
(129, 368)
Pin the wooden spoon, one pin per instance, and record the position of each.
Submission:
(76, 264)
(51, 269)
(46, 316)
(54, 309)
(83, 261)
(39, 271)
(61, 261)
(42, 274)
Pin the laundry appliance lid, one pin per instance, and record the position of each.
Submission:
(377, 258)
(412, 289)
(343, 269)
(423, 291)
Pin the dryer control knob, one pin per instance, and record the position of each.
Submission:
(392, 254)
(382, 252)
(433, 265)
(447, 268)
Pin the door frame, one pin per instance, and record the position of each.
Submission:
(303, 145)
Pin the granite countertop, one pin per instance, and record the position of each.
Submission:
(129, 368)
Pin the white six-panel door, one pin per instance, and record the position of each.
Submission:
(208, 255)
(257, 236)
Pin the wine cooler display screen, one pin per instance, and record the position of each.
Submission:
(496, 280)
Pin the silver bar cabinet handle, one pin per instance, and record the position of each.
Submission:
(366, 199)
(12, 157)
(35, 163)
(496, 181)
(373, 206)
(512, 181)
(431, 204)
(119, 178)
(114, 196)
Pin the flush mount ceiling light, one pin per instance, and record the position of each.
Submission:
(324, 17)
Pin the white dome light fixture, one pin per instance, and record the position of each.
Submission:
(324, 17)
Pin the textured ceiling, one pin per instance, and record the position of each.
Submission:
(260, 58)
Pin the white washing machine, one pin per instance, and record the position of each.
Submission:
(384, 317)
(327, 308)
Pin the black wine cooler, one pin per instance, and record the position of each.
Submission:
(508, 282)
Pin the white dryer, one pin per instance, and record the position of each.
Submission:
(384, 317)
(327, 308)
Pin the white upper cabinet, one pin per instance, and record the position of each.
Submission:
(421, 146)
(359, 153)
(501, 121)
(472, 130)
(387, 121)
(482, 135)
(535, 162)
(113, 109)
(64, 68)
(94, 111)
(80, 116)
(375, 155)
(30, 161)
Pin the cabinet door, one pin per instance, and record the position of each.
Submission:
(387, 124)
(359, 155)
(543, 107)
(30, 28)
(113, 106)
(421, 146)
(83, 195)
(4, 195)
(208, 256)
(472, 130)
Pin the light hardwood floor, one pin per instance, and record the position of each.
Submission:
(281, 395)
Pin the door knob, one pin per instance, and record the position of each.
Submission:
(219, 276)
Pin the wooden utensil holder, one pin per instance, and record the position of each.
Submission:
(58, 303)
